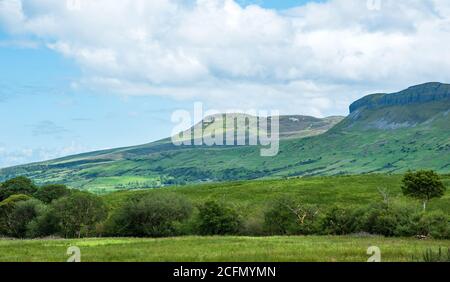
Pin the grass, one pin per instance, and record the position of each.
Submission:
(219, 249)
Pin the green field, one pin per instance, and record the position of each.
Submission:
(251, 198)
(219, 249)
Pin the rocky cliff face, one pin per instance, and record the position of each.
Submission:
(423, 93)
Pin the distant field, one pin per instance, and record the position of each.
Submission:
(252, 197)
(219, 249)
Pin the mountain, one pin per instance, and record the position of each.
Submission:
(384, 133)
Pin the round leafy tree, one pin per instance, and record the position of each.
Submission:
(423, 185)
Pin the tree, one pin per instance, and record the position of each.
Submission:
(22, 215)
(18, 185)
(78, 213)
(49, 193)
(423, 185)
(6, 208)
(217, 219)
(153, 215)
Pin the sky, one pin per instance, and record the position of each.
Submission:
(83, 75)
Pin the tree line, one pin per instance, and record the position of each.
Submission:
(29, 211)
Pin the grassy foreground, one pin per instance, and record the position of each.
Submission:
(218, 249)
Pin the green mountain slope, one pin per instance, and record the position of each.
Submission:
(384, 133)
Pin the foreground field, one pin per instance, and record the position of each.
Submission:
(219, 249)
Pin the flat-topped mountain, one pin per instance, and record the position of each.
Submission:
(384, 133)
(419, 94)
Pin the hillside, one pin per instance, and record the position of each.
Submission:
(384, 133)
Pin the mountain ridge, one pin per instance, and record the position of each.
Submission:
(384, 137)
(422, 93)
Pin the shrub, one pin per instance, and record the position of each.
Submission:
(6, 208)
(78, 214)
(342, 221)
(286, 217)
(252, 226)
(46, 224)
(217, 219)
(435, 224)
(18, 185)
(153, 215)
(392, 220)
(22, 215)
(49, 193)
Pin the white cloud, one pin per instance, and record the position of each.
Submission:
(11, 157)
(314, 59)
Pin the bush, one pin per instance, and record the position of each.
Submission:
(390, 220)
(435, 224)
(22, 215)
(253, 226)
(78, 214)
(217, 219)
(18, 185)
(49, 193)
(153, 215)
(286, 217)
(342, 221)
(46, 224)
(6, 208)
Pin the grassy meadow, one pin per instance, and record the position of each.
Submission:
(220, 249)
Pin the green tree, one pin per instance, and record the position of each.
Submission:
(49, 193)
(22, 215)
(6, 208)
(78, 214)
(217, 219)
(152, 215)
(423, 185)
(18, 185)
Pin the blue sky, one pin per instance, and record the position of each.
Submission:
(69, 84)
(44, 117)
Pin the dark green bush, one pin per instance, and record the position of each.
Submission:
(6, 208)
(435, 224)
(342, 221)
(390, 220)
(78, 214)
(46, 224)
(153, 215)
(22, 215)
(217, 219)
(287, 217)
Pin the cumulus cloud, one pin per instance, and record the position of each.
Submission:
(313, 59)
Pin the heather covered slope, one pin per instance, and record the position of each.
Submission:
(384, 133)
